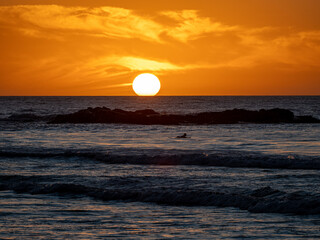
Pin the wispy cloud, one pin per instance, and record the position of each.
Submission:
(295, 50)
(142, 64)
(189, 25)
(110, 22)
(219, 45)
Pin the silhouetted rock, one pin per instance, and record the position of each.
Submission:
(306, 119)
(149, 116)
(146, 112)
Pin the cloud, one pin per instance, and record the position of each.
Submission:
(110, 22)
(189, 25)
(142, 64)
(295, 50)
(217, 45)
(115, 67)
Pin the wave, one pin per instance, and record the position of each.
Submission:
(235, 159)
(261, 200)
(27, 117)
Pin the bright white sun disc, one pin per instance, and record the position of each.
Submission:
(146, 84)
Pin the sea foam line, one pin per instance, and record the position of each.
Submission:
(236, 159)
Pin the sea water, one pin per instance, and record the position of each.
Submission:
(87, 181)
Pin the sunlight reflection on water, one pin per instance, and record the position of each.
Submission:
(83, 218)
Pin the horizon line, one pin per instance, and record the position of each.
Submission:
(274, 95)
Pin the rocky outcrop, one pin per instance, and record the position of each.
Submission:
(149, 116)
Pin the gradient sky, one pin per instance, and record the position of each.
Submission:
(212, 47)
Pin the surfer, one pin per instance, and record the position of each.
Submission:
(182, 136)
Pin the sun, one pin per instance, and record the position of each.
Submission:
(146, 84)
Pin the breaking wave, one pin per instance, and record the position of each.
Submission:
(236, 159)
(27, 117)
(261, 200)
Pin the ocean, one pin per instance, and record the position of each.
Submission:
(134, 181)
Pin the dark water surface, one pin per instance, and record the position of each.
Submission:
(91, 181)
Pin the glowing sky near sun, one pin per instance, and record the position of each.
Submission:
(218, 47)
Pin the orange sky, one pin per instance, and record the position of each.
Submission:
(216, 47)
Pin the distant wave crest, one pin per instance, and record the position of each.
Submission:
(27, 117)
(237, 159)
